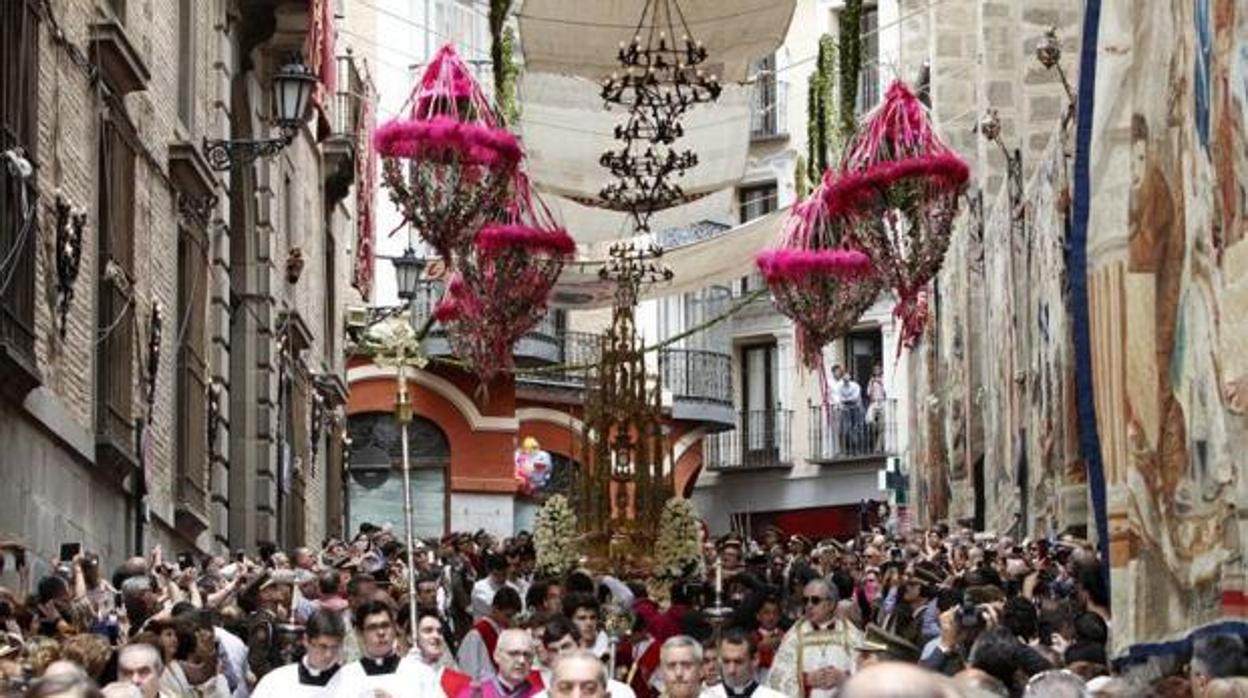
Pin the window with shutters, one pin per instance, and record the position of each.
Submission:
(869, 78)
(19, 101)
(192, 406)
(298, 448)
(115, 333)
(118, 8)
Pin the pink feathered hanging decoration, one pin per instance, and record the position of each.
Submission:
(459, 160)
(819, 277)
(899, 185)
(500, 291)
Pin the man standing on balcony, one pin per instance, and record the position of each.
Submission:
(849, 398)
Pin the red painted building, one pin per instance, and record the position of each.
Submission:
(464, 436)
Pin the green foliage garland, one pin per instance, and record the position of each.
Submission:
(819, 109)
(850, 23)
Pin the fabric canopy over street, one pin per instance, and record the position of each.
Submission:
(719, 260)
(566, 129)
(734, 34)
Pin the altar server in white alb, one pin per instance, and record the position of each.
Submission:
(310, 676)
(381, 672)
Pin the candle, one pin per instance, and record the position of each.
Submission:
(719, 579)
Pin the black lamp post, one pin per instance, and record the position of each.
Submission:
(291, 97)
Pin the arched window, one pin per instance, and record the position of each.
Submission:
(375, 475)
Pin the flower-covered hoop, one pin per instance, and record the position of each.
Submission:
(898, 187)
(459, 159)
(501, 290)
(818, 277)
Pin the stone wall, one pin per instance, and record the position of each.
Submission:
(990, 362)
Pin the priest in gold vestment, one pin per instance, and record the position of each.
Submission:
(817, 653)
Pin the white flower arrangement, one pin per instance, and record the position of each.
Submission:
(393, 341)
(554, 536)
(678, 551)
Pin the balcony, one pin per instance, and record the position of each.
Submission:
(345, 109)
(575, 349)
(543, 344)
(700, 382)
(760, 440)
(839, 435)
(769, 110)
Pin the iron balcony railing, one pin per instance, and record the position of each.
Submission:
(841, 433)
(577, 351)
(697, 375)
(347, 103)
(761, 439)
(769, 109)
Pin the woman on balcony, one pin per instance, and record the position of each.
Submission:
(875, 407)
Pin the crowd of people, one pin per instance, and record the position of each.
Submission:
(930, 613)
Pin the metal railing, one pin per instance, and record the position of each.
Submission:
(762, 439)
(769, 109)
(839, 433)
(697, 375)
(347, 102)
(576, 349)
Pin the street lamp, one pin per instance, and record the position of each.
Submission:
(407, 271)
(291, 98)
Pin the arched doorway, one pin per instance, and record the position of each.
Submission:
(375, 475)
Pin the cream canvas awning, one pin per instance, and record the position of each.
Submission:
(581, 37)
(565, 129)
(570, 45)
(719, 260)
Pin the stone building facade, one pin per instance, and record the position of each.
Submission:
(110, 101)
(992, 439)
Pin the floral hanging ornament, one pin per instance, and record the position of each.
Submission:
(459, 159)
(899, 185)
(500, 291)
(818, 277)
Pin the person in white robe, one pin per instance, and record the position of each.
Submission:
(381, 672)
(817, 653)
(310, 676)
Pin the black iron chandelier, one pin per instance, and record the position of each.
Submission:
(661, 80)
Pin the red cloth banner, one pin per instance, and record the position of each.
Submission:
(365, 190)
(319, 53)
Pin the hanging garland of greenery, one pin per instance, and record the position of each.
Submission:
(800, 183)
(850, 23)
(508, 105)
(820, 106)
(503, 59)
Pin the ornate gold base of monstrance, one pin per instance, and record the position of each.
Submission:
(625, 476)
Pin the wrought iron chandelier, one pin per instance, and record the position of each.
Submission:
(661, 80)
